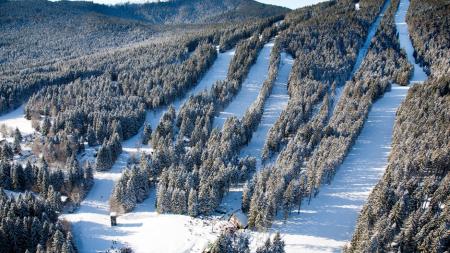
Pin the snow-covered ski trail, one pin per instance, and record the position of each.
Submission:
(91, 221)
(274, 105)
(327, 224)
(362, 51)
(419, 74)
(250, 88)
(194, 234)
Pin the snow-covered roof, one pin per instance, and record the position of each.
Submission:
(240, 217)
(357, 6)
(113, 214)
(63, 198)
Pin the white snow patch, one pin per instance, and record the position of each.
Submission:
(16, 119)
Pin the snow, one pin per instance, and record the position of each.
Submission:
(250, 88)
(91, 221)
(274, 105)
(17, 119)
(405, 41)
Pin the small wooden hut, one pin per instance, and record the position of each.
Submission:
(113, 216)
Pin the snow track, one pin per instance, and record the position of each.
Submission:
(274, 105)
(362, 51)
(91, 222)
(250, 88)
(327, 224)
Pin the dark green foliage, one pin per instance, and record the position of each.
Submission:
(28, 224)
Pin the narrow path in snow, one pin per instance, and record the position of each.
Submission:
(250, 88)
(91, 221)
(327, 224)
(362, 52)
(274, 105)
(419, 74)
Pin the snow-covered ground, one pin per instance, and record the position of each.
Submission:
(17, 119)
(274, 105)
(250, 88)
(327, 223)
(405, 41)
(91, 221)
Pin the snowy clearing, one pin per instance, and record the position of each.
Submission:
(17, 119)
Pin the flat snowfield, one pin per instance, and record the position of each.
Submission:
(17, 119)
(168, 233)
(250, 88)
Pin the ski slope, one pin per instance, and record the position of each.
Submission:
(419, 74)
(274, 105)
(91, 221)
(362, 52)
(250, 88)
(327, 224)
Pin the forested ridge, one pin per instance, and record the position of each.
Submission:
(408, 210)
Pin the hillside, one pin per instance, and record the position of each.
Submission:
(224, 126)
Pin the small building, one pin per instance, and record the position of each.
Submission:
(113, 216)
(357, 7)
(239, 220)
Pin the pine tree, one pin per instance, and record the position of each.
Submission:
(17, 140)
(57, 241)
(91, 139)
(45, 127)
(193, 203)
(277, 244)
(147, 134)
(104, 158)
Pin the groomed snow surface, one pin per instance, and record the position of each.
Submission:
(405, 41)
(144, 230)
(250, 88)
(274, 105)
